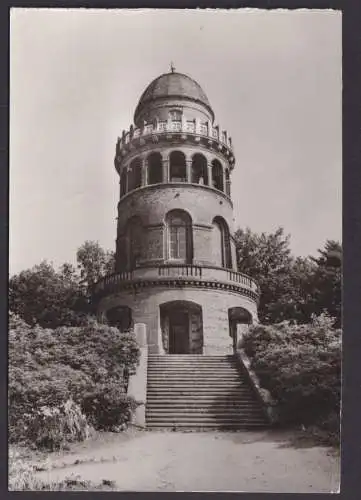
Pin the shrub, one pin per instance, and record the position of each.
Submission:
(301, 366)
(48, 367)
(108, 407)
(22, 477)
(52, 427)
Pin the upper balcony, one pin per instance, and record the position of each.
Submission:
(177, 275)
(201, 133)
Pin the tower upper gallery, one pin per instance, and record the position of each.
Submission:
(173, 113)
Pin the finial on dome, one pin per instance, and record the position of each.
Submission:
(172, 68)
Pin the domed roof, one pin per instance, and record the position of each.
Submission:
(173, 85)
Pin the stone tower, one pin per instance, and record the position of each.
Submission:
(176, 265)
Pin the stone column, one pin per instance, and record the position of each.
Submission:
(165, 166)
(137, 386)
(228, 185)
(210, 180)
(144, 172)
(224, 178)
(189, 170)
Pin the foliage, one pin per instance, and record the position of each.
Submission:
(108, 406)
(51, 298)
(22, 477)
(52, 427)
(94, 262)
(291, 288)
(46, 297)
(48, 367)
(301, 366)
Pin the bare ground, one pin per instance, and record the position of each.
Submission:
(266, 461)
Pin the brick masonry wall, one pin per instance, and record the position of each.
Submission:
(152, 204)
(215, 304)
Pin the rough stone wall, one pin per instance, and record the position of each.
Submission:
(215, 304)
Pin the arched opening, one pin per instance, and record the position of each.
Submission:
(135, 174)
(239, 321)
(123, 183)
(217, 175)
(120, 317)
(182, 327)
(199, 169)
(179, 236)
(155, 168)
(221, 245)
(177, 167)
(134, 237)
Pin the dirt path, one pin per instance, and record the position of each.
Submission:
(207, 461)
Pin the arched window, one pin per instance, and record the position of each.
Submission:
(221, 244)
(155, 168)
(177, 167)
(217, 175)
(134, 238)
(199, 169)
(135, 174)
(123, 183)
(179, 236)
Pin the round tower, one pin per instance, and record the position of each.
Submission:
(176, 267)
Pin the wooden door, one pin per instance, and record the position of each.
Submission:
(179, 332)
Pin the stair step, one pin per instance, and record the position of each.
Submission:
(185, 413)
(194, 389)
(205, 397)
(203, 419)
(184, 383)
(200, 392)
(172, 403)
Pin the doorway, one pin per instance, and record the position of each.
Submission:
(182, 327)
(179, 332)
(238, 316)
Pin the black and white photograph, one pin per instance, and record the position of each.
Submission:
(175, 250)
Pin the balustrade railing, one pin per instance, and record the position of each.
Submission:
(180, 271)
(177, 126)
(242, 279)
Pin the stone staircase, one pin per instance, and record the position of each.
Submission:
(200, 392)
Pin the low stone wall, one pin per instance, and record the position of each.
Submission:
(264, 395)
(137, 386)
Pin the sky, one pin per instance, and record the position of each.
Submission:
(273, 79)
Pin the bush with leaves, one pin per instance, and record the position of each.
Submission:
(301, 366)
(48, 367)
(108, 406)
(51, 427)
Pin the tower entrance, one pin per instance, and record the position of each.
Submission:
(178, 332)
(182, 327)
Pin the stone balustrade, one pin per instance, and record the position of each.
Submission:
(206, 276)
(166, 127)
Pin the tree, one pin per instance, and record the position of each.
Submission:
(267, 258)
(330, 255)
(327, 280)
(59, 298)
(291, 288)
(93, 262)
(42, 295)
